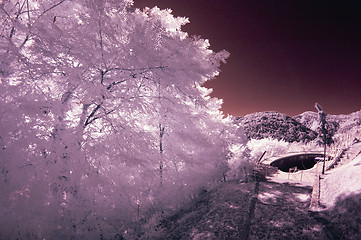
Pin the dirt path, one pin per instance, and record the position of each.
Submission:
(248, 211)
(281, 212)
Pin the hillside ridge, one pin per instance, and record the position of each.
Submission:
(300, 128)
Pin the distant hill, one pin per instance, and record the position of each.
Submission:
(275, 125)
(309, 119)
(344, 123)
(295, 129)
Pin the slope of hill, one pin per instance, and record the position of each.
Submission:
(275, 125)
(309, 119)
(344, 123)
(343, 180)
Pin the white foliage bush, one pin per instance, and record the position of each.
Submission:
(273, 147)
(240, 164)
(304, 147)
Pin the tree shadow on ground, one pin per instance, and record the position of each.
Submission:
(282, 212)
(275, 211)
(249, 210)
(220, 213)
(343, 221)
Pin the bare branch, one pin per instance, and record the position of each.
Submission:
(54, 6)
(27, 4)
(102, 73)
(5, 12)
(25, 40)
(17, 16)
(101, 38)
(115, 83)
(66, 96)
(144, 69)
(91, 117)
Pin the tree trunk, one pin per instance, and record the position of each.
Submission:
(161, 133)
(324, 159)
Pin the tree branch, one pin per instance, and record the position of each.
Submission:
(5, 12)
(144, 69)
(27, 4)
(91, 117)
(17, 16)
(115, 83)
(54, 6)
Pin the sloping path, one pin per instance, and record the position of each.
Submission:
(282, 212)
(242, 211)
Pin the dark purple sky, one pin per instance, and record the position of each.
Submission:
(285, 54)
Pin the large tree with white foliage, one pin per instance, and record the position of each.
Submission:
(103, 120)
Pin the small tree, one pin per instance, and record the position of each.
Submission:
(325, 132)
